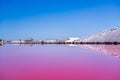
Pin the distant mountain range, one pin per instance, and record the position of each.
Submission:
(112, 35)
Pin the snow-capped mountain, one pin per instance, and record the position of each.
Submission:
(112, 35)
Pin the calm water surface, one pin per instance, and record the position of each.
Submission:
(60, 62)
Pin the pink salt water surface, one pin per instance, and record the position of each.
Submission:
(56, 62)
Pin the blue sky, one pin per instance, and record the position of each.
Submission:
(56, 19)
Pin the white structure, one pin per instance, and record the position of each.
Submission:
(72, 39)
(17, 42)
(49, 41)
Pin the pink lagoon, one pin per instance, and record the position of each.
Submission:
(59, 62)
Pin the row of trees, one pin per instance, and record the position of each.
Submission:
(31, 41)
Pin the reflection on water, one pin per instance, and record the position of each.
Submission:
(1, 44)
(113, 50)
(59, 62)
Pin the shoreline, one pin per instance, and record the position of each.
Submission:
(35, 42)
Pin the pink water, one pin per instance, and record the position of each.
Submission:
(56, 62)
